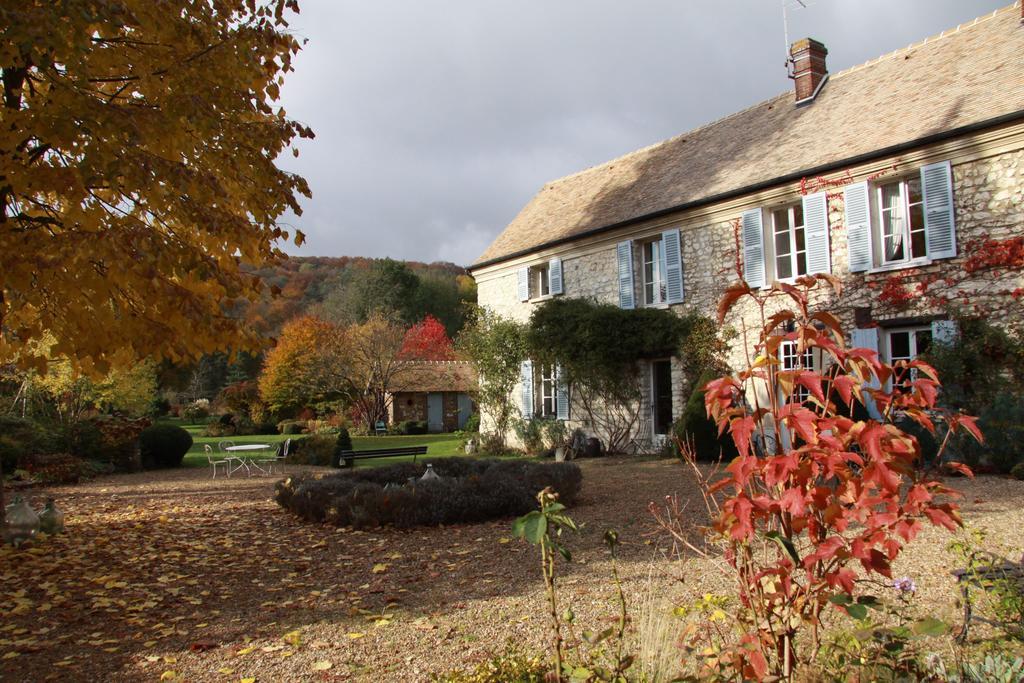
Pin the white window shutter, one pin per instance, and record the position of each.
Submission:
(526, 380)
(940, 227)
(753, 248)
(561, 395)
(555, 276)
(524, 284)
(944, 332)
(672, 247)
(868, 338)
(624, 255)
(858, 227)
(816, 239)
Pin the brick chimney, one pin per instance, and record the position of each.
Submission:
(809, 72)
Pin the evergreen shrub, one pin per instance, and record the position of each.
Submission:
(469, 490)
(163, 446)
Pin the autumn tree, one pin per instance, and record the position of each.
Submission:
(137, 150)
(427, 340)
(377, 367)
(305, 368)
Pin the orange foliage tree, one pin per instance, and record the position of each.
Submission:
(306, 366)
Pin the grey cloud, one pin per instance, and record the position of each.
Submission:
(437, 120)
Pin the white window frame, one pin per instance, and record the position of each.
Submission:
(791, 231)
(547, 391)
(915, 346)
(540, 281)
(789, 359)
(906, 231)
(657, 281)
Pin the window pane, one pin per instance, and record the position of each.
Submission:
(798, 215)
(783, 267)
(914, 191)
(780, 219)
(922, 339)
(801, 252)
(782, 243)
(899, 346)
(542, 281)
(918, 246)
(891, 211)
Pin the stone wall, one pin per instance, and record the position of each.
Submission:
(989, 204)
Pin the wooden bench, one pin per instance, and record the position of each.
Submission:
(989, 573)
(348, 458)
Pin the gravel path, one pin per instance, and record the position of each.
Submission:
(171, 574)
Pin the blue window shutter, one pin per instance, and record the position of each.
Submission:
(561, 395)
(624, 255)
(944, 332)
(753, 248)
(867, 338)
(526, 380)
(819, 250)
(524, 283)
(672, 247)
(940, 226)
(555, 276)
(858, 227)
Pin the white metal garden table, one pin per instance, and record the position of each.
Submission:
(247, 460)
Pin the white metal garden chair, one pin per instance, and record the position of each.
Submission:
(279, 459)
(234, 463)
(215, 463)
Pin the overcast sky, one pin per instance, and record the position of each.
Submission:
(437, 120)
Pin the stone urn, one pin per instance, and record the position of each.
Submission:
(22, 522)
(51, 519)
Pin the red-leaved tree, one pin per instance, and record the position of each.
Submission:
(427, 340)
(816, 499)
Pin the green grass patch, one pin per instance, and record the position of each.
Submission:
(438, 445)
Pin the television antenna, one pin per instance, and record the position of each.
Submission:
(788, 5)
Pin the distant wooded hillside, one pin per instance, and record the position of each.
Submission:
(347, 289)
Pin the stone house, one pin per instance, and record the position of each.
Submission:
(435, 392)
(903, 177)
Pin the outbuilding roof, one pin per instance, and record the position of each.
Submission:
(968, 77)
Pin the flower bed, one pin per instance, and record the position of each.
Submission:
(468, 490)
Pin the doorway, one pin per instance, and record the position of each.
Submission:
(661, 395)
(435, 412)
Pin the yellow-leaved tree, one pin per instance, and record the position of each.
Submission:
(137, 171)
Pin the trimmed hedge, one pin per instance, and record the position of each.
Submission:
(315, 449)
(469, 490)
(163, 446)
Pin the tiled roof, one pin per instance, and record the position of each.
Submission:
(966, 76)
(433, 376)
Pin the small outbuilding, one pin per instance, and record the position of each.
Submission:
(435, 392)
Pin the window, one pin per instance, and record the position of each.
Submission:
(789, 356)
(900, 223)
(547, 384)
(789, 242)
(541, 276)
(906, 345)
(901, 219)
(655, 291)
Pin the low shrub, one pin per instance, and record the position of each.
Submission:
(509, 667)
(1002, 423)
(531, 434)
(194, 412)
(412, 427)
(1018, 471)
(163, 446)
(62, 468)
(219, 428)
(291, 427)
(315, 449)
(85, 440)
(472, 423)
(469, 490)
(20, 438)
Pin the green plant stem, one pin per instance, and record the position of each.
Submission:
(547, 560)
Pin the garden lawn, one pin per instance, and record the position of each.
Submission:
(438, 445)
(170, 575)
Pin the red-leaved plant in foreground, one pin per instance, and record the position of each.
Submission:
(799, 514)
